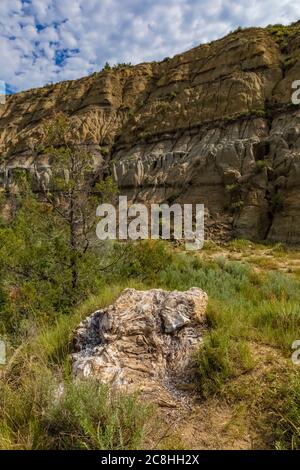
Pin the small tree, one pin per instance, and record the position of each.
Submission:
(107, 66)
(73, 191)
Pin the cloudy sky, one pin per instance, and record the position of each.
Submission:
(43, 41)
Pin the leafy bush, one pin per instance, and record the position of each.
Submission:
(144, 259)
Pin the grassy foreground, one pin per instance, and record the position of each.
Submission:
(254, 311)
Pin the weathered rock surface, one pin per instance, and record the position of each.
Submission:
(214, 125)
(143, 342)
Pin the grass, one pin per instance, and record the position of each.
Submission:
(80, 415)
(240, 296)
(288, 431)
(42, 408)
(248, 310)
(221, 359)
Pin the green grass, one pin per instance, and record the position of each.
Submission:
(288, 431)
(34, 415)
(221, 359)
(42, 412)
(246, 307)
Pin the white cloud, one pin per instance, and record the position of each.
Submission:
(83, 34)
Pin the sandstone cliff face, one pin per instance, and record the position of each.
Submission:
(214, 125)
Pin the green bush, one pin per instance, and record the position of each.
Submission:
(88, 417)
(43, 413)
(144, 259)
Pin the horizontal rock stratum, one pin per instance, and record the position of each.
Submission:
(214, 125)
(143, 342)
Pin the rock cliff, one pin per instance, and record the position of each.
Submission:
(214, 125)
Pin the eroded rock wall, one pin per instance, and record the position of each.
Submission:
(214, 125)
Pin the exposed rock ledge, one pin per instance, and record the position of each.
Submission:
(143, 342)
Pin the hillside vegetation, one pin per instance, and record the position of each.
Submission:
(245, 361)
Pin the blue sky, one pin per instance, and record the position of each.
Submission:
(43, 41)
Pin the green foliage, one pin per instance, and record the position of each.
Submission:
(33, 275)
(42, 408)
(220, 359)
(290, 61)
(282, 34)
(36, 278)
(288, 430)
(244, 306)
(237, 205)
(104, 151)
(49, 258)
(261, 165)
(107, 189)
(237, 30)
(47, 414)
(240, 244)
(120, 66)
(261, 113)
(171, 96)
(144, 259)
(144, 135)
(88, 417)
(71, 193)
(231, 188)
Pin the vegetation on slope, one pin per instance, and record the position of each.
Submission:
(247, 307)
(253, 314)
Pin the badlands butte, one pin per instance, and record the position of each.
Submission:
(214, 125)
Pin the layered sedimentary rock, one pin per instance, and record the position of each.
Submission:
(214, 125)
(144, 342)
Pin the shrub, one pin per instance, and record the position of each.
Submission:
(237, 205)
(232, 187)
(88, 417)
(144, 259)
(44, 413)
(220, 359)
(261, 164)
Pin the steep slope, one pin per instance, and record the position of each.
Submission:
(214, 125)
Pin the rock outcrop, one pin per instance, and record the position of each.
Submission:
(143, 342)
(214, 125)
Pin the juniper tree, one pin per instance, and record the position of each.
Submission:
(75, 188)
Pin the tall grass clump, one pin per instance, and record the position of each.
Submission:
(288, 430)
